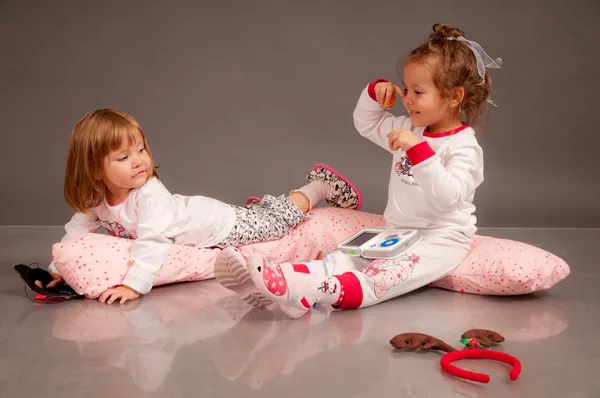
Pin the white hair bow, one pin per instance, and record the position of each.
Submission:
(483, 60)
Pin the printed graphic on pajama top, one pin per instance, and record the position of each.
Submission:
(116, 229)
(387, 273)
(402, 169)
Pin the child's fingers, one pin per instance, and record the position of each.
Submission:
(108, 296)
(394, 140)
(114, 296)
(123, 300)
(393, 135)
(104, 296)
(400, 91)
(389, 95)
(391, 143)
(54, 282)
(379, 95)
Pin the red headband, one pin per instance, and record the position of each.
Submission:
(478, 353)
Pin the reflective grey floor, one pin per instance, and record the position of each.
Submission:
(197, 340)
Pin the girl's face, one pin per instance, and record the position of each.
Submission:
(424, 102)
(126, 168)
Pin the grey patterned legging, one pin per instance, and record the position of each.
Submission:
(271, 219)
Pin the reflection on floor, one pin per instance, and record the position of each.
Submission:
(197, 339)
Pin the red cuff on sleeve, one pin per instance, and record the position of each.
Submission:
(371, 88)
(419, 153)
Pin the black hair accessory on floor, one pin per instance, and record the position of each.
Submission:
(43, 294)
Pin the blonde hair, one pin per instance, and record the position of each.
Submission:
(93, 138)
(453, 65)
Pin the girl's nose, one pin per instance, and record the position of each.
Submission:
(136, 161)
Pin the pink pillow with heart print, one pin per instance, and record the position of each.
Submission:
(97, 262)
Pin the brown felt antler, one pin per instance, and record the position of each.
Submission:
(486, 338)
(420, 341)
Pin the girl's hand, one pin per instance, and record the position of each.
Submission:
(121, 292)
(386, 93)
(402, 139)
(56, 280)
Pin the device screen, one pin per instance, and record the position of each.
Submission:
(362, 238)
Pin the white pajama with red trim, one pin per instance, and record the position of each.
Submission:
(431, 188)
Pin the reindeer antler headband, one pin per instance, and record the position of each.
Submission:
(476, 340)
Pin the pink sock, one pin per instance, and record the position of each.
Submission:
(316, 191)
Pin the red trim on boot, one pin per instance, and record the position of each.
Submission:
(351, 294)
(341, 296)
(304, 302)
(301, 268)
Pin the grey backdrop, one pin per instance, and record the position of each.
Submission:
(241, 98)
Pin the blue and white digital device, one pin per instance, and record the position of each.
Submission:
(379, 242)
